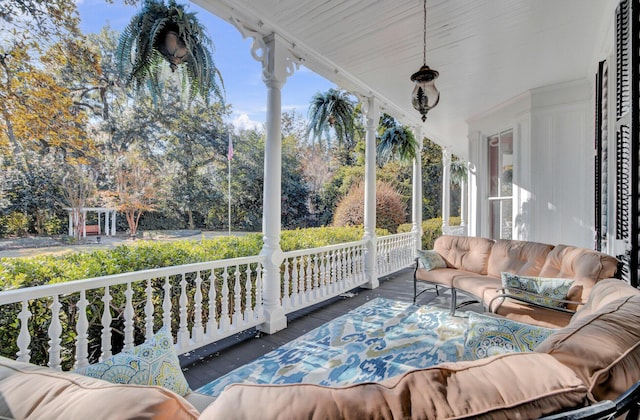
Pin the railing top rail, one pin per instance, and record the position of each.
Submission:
(395, 235)
(327, 248)
(37, 292)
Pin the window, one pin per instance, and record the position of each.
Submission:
(500, 159)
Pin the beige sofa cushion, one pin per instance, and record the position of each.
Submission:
(604, 292)
(583, 265)
(603, 348)
(519, 257)
(520, 385)
(33, 392)
(464, 252)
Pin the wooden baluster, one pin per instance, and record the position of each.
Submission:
(294, 283)
(317, 274)
(248, 290)
(198, 329)
(166, 305)
(128, 319)
(301, 277)
(286, 278)
(105, 341)
(237, 299)
(258, 306)
(212, 323)
(148, 312)
(350, 271)
(82, 327)
(183, 331)
(24, 338)
(310, 272)
(54, 331)
(225, 321)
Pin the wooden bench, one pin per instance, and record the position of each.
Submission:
(92, 229)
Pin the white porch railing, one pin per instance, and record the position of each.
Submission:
(74, 323)
(314, 275)
(395, 252)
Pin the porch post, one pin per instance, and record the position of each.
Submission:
(113, 223)
(71, 232)
(446, 190)
(106, 223)
(416, 193)
(464, 191)
(274, 74)
(84, 223)
(371, 112)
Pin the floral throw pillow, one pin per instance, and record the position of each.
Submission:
(430, 259)
(489, 336)
(152, 363)
(542, 290)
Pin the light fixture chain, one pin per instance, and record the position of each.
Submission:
(424, 35)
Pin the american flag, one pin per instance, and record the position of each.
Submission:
(230, 151)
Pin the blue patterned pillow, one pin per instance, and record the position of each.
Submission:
(543, 287)
(430, 259)
(490, 335)
(152, 363)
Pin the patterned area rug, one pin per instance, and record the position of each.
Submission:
(377, 340)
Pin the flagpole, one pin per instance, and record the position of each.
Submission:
(229, 157)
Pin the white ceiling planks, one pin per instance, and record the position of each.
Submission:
(487, 51)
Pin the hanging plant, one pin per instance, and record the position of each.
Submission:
(166, 32)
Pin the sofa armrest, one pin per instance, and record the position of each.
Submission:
(503, 294)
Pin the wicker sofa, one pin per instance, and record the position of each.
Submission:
(475, 265)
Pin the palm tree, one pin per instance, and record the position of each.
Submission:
(396, 141)
(162, 32)
(332, 109)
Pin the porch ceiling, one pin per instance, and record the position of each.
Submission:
(487, 51)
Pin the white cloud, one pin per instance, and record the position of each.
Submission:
(243, 122)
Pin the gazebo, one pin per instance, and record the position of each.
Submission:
(109, 221)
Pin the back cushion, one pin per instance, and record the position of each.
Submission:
(583, 265)
(500, 387)
(604, 292)
(465, 252)
(34, 392)
(603, 349)
(518, 257)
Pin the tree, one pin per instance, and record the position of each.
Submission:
(78, 186)
(332, 109)
(137, 189)
(390, 210)
(167, 32)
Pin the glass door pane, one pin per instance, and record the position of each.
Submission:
(500, 164)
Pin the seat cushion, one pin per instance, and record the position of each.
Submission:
(602, 348)
(464, 252)
(522, 312)
(440, 276)
(500, 387)
(519, 257)
(35, 392)
(476, 285)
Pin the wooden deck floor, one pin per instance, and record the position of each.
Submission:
(206, 364)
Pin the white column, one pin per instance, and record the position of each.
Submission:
(416, 193)
(371, 113)
(84, 224)
(71, 233)
(464, 199)
(446, 190)
(106, 223)
(113, 223)
(276, 67)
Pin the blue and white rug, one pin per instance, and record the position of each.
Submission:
(378, 340)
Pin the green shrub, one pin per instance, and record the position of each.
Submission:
(431, 230)
(17, 224)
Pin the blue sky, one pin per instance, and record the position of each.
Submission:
(245, 90)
